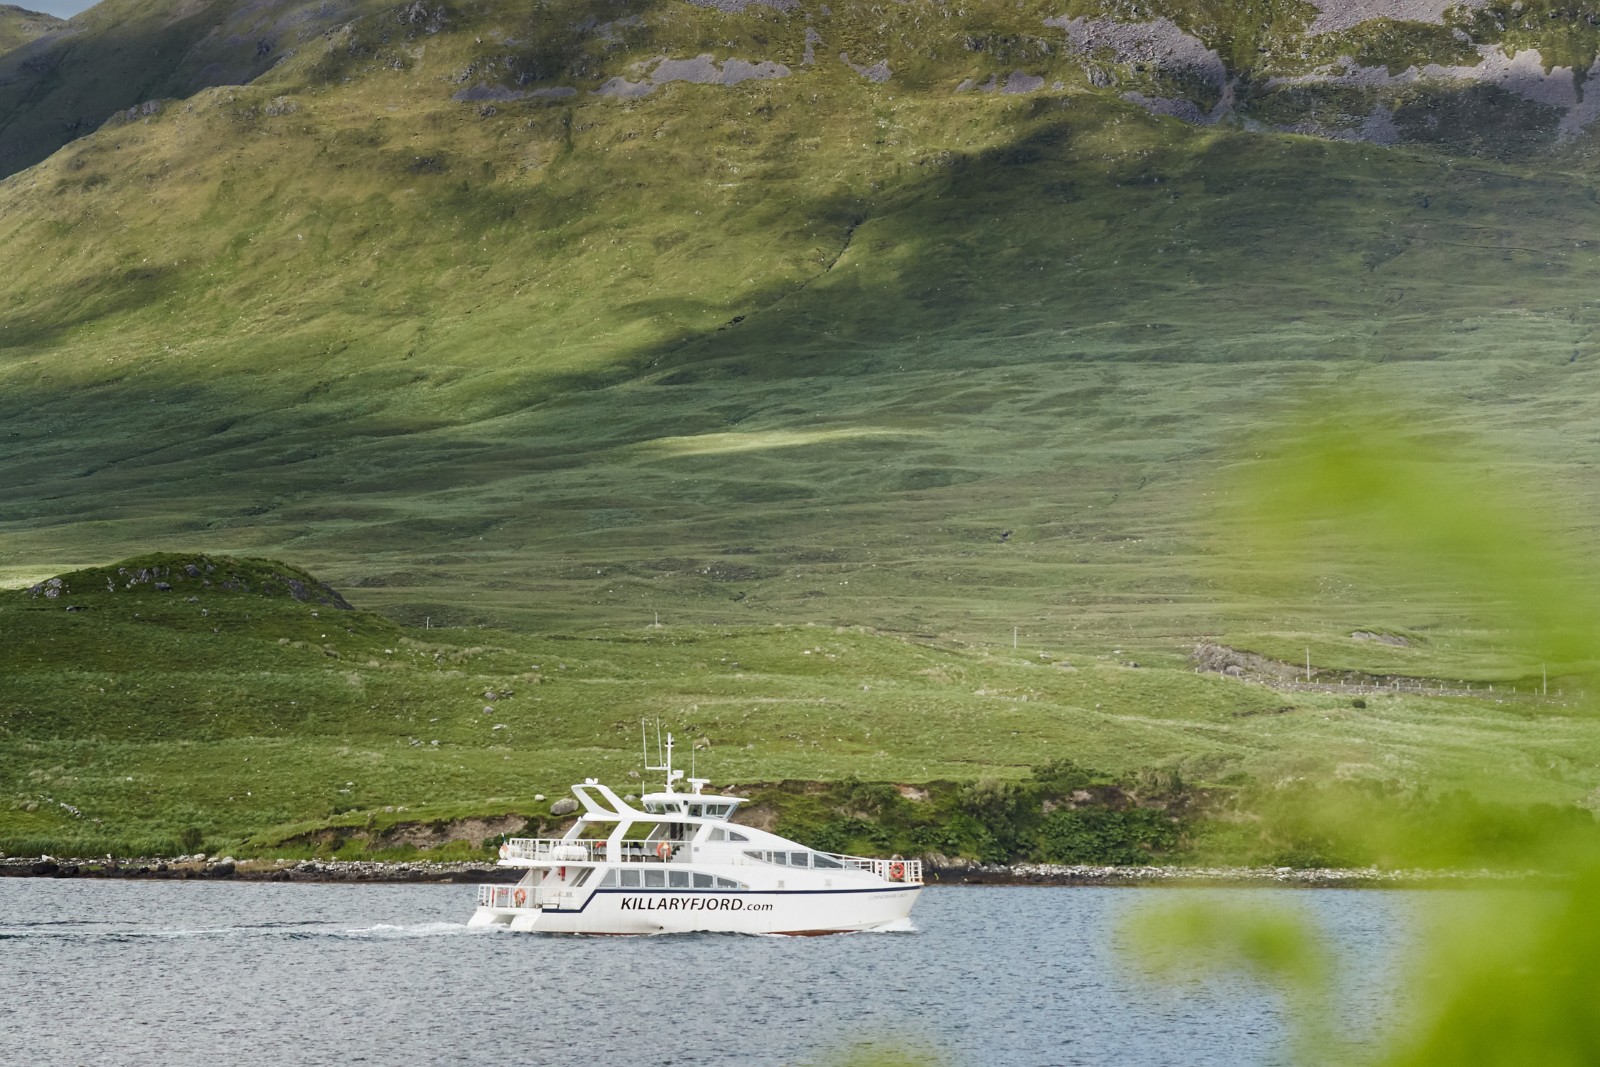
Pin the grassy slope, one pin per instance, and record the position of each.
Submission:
(472, 363)
(994, 354)
(18, 26)
(238, 714)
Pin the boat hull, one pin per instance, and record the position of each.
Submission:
(635, 911)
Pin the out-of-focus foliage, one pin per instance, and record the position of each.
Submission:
(1358, 488)
(1192, 941)
(1505, 977)
(890, 1053)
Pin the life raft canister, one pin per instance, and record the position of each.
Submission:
(897, 871)
(520, 897)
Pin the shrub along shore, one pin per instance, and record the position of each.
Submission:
(939, 871)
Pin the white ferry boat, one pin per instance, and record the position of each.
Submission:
(678, 864)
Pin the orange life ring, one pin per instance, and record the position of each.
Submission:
(664, 851)
(519, 898)
(897, 871)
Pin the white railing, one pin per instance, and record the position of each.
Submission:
(508, 896)
(888, 870)
(557, 850)
(530, 897)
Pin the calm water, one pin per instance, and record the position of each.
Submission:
(186, 973)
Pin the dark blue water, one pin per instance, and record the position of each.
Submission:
(206, 974)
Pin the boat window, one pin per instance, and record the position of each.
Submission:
(678, 879)
(755, 855)
(655, 879)
(694, 810)
(819, 860)
(729, 883)
(717, 835)
(734, 836)
(702, 881)
(629, 879)
(609, 881)
(799, 859)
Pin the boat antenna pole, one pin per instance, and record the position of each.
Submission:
(665, 758)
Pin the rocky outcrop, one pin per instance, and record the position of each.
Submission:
(168, 574)
(701, 70)
(1385, 71)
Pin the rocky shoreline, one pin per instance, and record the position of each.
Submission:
(946, 872)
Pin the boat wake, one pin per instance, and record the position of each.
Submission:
(433, 929)
(296, 931)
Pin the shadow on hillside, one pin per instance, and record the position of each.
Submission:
(68, 85)
(95, 299)
(1094, 236)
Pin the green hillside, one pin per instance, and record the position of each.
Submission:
(19, 26)
(565, 318)
(811, 347)
(177, 699)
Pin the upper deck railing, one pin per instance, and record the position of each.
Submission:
(557, 850)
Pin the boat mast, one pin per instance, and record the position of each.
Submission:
(665, 763)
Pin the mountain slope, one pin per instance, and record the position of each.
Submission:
(529, 315)
(132, 55)
(19, 26)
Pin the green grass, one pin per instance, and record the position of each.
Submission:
(18, 26)
(889, 370)
(244, 716)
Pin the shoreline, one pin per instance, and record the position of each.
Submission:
(949, 873)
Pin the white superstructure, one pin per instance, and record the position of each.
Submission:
(677, 863)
